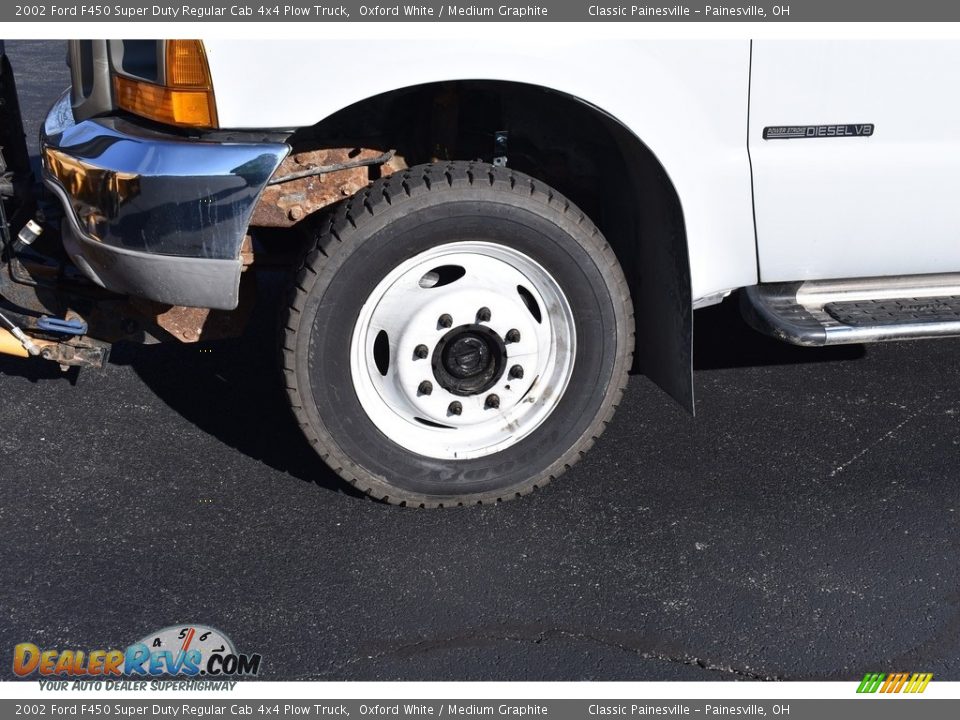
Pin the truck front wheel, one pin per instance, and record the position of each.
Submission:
(459, 334)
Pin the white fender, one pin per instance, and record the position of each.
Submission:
(687, 101)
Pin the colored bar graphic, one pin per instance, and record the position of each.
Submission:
(894, 683)
(923, 679)
(871, 682)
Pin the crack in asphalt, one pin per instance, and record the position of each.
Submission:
(541, 636)
(890, 433)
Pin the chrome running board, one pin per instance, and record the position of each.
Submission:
(862, 310)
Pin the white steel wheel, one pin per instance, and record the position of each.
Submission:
(463, 350)
(459, 334)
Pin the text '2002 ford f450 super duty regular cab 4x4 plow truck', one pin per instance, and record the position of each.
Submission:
(482, 242)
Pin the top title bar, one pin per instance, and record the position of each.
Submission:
(512, 11)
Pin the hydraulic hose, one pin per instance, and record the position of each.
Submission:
(24, 339)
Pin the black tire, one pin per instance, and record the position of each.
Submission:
(394, 219)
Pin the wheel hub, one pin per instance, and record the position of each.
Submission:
(462, 364)
(469, 360)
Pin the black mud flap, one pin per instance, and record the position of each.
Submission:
(665, 323)
(659, 271)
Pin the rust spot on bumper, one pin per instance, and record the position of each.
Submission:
(286, 204)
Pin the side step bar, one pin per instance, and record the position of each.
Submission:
(840, 312)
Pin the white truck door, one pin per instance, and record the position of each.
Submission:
(855, 147)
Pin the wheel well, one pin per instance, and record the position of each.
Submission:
(577, 149)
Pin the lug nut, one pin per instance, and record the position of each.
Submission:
(513, 336)
(454, 408)
(426, 387)
(483, 314)
(516, 372)
(420, 352)
(493, 401)
(445, 321)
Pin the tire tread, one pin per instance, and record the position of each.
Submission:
(334, 232)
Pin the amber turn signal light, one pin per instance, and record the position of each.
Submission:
(186, 97)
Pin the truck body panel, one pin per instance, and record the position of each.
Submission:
(866, 205)
(687, 102)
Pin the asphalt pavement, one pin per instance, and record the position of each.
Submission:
(803, 526)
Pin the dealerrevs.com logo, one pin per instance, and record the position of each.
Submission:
(182, 650)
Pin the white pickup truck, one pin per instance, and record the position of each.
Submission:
(485, 238)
